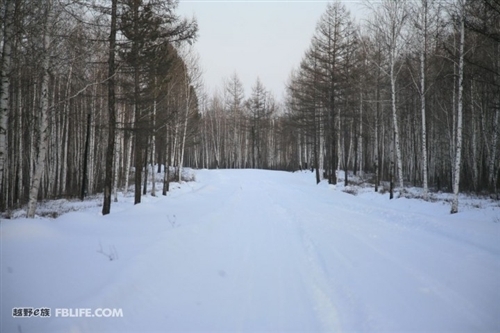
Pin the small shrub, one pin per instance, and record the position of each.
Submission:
(477, 205)
(351, 190)
(188, 177)
(112, 254)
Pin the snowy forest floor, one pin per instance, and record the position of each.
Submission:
(357, 186)
(257, 251)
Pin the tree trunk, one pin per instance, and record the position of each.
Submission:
(138, 158)
(85, 181)
(116, 168)
(397, 145)
(108, 181)
(146, 170)
(316, 134)
(5, 87)
(456, 168)
(166, 173)
(44, 113)
(20, 148)
(424, 133)
(184, 131)
(153, 149)
(65, 126)
(474, 144)
(391, 168)
(377, 120)
(492, 179)
(128, 163)
(360, 136)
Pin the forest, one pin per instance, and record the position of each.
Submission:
(99, 96)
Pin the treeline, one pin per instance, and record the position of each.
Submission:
(90, 91)
(239, 132)
(411, 96)
(93, 91)
(408, 97)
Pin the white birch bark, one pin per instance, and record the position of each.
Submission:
(33, 140)
(174, 147)
(360, 136)
(44, 113)
(53, 149)
(64, 152)
(424, 23)
(458, 152)
(185, 123)
(183, 143)
(339, 140)
(207, 142)
(390, 19)
(427, 20)
(116, 167)
(119, 148)
(494, 135)
(153, 150)
(422, 110)
(399, 160)
(20, 154)
(453, 138)
(5, 84)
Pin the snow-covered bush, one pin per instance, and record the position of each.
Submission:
(351, 190)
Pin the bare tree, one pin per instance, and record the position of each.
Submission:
(458, 146)
(192, 84)
(389, 20)
(234, 96)
(42, 132)
(426, 19)
(106, 207)
(5, 73)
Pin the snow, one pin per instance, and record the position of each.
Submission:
(254, 251)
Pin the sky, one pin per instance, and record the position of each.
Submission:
(264, 39)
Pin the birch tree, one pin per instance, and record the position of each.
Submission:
(458, 146)
(5, 69)
(389, 20)
(43, 113)
(426, 19)
(192, 84)
(485, 21)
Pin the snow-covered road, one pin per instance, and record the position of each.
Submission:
(257, 251)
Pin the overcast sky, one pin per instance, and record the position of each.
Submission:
(264, 39)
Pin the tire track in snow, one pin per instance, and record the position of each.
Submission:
(261, 265)
(315, 277)
(357, 238)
